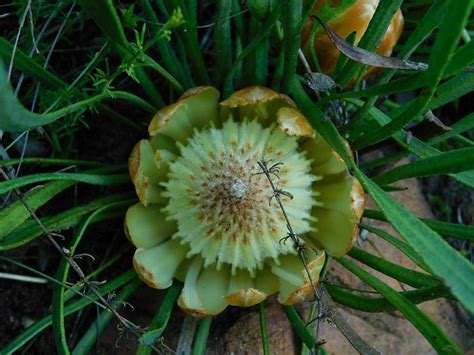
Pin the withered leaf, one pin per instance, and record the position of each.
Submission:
(320, 82)
(369, 58)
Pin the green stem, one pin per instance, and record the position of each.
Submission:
(381, 304)
(292, 22)
(159, 323)
(200, 342)
(299, 326)
(223, 39)
(191, 43)
(164, 48)
(407, 276)
(264, 30)
(264, 329)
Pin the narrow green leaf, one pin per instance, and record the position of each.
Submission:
(50, 161)
(397, 243)
(461, 59)
(40, 325)
(464, 124)
(291, 23)
(299, 326)
(454, 161)
(30, 230)
(384, 160)
(454, 230)
(160, 322)
(400, 273)
(424, 28)
(415, 146)
(445, 43)
(264, 328)
(381, 304)
(93, 179)
(59, 299)
(427, 327)
(454, 88)
(455, 270)
(223, 38)
(86, 343)
(200, 342)
(14, 215)
(28, 66)
(372, 36)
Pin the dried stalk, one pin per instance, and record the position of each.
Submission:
(125, 325)
(326, 306)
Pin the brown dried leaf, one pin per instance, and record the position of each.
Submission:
(320, 81)
(369, 58)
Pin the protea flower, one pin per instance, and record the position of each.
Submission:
(355, 19)
(205, 215)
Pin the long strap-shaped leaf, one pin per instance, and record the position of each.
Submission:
(381, 304)
(14, 117)
(30, 230)
(93, 179)
(455, 270)
(160, 322)
(74, 306)
(400, 273)
(430, 330)
(59, 299)
(14, 215)
(445, 43)
(86, 343)
(444, 163)
(454, 230)
(416, 146)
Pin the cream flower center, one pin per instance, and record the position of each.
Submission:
(221, 200)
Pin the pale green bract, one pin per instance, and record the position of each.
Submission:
(206, 214)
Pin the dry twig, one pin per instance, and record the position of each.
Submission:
(326, 306)
(125, 325)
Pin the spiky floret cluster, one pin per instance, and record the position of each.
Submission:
(204, 215)
(220, 199)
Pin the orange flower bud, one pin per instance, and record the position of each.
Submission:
(355, 19)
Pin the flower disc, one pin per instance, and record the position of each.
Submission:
(222, 202)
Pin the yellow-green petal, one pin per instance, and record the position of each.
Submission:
(254, 102)
(204, 290)
(156, 266)
(242, 291)
(147, 227)
(294, 283)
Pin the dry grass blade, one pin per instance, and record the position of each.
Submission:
(369, 58)
(125, 324)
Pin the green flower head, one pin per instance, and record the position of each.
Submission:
(206, 214)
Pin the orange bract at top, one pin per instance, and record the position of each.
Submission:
(355, 19)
